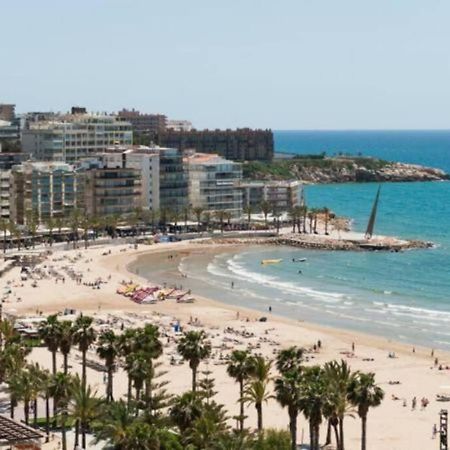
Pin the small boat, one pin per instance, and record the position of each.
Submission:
(270, 261)
(298, 259)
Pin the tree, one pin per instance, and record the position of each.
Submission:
(338, 377)
(289, 359)
(66, 336)
(83, 407)
(240, 367)
(186, 408)
(45, 392)
(219, 215)
(50, 223)
(194, 347)
(108, 350)
(32, 225)
(86, 224)
(248, 211)
(288, 394)
(198, 212)
(50, 333)
(313, 399)
(84, 336)
(59, 224)
(186, 212)
(266, 208)
(257, 389)
(60, 389)
(21, 389)
(326, 213)
(75, 220)
(364, 394)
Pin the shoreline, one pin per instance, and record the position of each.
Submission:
(390, 424)
(346, 335)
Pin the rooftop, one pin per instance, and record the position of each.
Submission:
(12, 432)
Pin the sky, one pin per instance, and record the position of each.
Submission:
(286, 64)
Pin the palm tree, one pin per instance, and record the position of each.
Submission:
(60, 389)
(338, 377)
(75, 220)
(59, 224)
(294, 217)
(4, 228)
(313, 400)
(266, 208)
(66, 341)
(364, 394)
(248, 211)
(257, 389)
(186, 211)
(289, 359)
(84, 336)
(138, 372)
(108, 350)
(115, 418)
(220, 216)
(194, 347)
(50, 333)
(198, 212)
(86, 225)
(32, 225)
(15, 231)
(50, 223)
(83, 407)
(127, 348)
(186, 408)
(45, 392)
(288, 394)
(36, 375)
(240, 367)
(148, 342)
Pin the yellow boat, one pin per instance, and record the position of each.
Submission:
(270, 261)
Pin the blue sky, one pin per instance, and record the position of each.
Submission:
(287, 64)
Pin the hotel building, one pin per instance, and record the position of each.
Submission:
(213, 183)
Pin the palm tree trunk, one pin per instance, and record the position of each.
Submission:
(328, 439)
(341, 432)
(47, 418)
(54, 362)
(316, 436)
(66, 365)
(109, 396)
(241, 396)
(83, 370)
(194, 379)
(63, 431)
(26, 412)
(77, 434)
(293, 429)
(258, 407)
(83, 434)
(336, 434)
(311, 436)
(12, 406)
(363, 432)
(35, 412)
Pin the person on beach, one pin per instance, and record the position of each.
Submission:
(270, 309)
(353, 346)
(414, 403)
(232, 285)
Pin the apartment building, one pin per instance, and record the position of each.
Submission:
(7, 112)
(213, 183)
(238, 145)
(46, 189)
(283, 195)
(74, 136)
(109, 188)
(143, 124)
(179, 125)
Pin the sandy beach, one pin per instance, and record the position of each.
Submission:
(100, 270)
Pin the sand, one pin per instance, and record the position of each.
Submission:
(391, 426)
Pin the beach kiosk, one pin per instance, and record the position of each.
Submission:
(18, 436)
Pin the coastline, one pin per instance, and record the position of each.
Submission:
(390, 424)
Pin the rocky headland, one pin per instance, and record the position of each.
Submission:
(321, 170)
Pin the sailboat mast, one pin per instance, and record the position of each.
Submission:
(373, 216)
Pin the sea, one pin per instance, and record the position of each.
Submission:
(398, 296)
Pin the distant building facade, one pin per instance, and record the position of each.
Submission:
(110, 188)
(142, 123)
(73, 137)
(282, 195)
(45, 189)
(179, 125)
(213, 183)
(7, 112)
(238, 145)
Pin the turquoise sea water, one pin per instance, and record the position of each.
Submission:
(401, 296)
